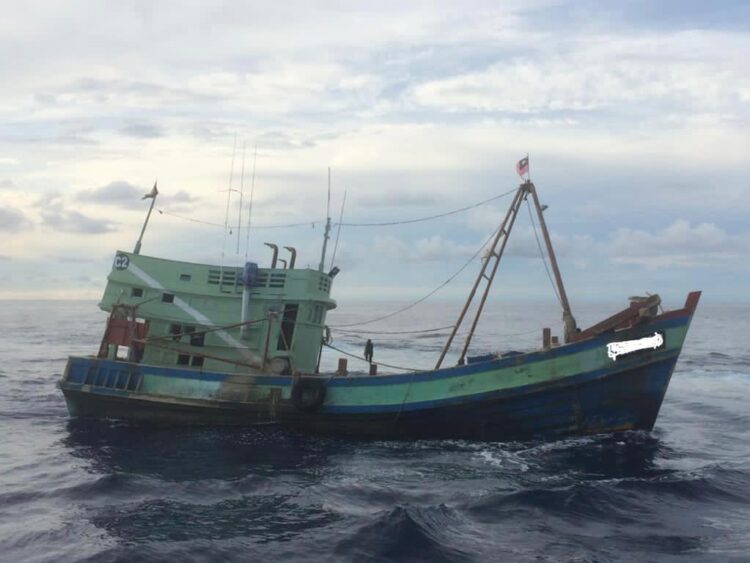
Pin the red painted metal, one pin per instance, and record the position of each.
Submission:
(122, 331)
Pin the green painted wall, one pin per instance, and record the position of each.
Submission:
(172, 294)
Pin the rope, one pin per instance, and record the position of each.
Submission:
(430, 217)
(541, 253)
(221, 225)
(331, 346)
(438, 329)
(384, 335)
(178, 335)
(425, 297)
(341, 224)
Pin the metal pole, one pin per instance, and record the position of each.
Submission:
(568, 319)
(270, 316)
(242, 193)
(226, 215)
(137, 249)
(461, 316)
(326, 235)
(250, 207)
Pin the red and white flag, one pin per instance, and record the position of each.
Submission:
(522, 167)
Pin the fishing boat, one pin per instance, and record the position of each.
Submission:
(189, 343)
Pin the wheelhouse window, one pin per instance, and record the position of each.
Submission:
(176, 331)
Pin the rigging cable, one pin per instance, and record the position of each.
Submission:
(365, 360)
(383, 224)
(541, 253)
(428, 295)
(338, 231)
(437, 329)
(221, 225)
(430, 217)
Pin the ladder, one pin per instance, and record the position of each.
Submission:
(489, 268)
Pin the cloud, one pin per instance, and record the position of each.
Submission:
(6, 184)
(57, 218)
(603, 73)
(13, 220)
(119, 193)
(142, 130)
(430, 249)
(282, 140)
(400, 198)
(679, 244)
(180, 201)
(417, 108)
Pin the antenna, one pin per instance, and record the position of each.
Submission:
(226, 215)
(242, 193)
(338, 231)
(250, 207)
(327, 233)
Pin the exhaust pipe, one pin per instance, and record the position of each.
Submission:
(292, 256)
(275, 253)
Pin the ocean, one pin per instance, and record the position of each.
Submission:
(85, 490)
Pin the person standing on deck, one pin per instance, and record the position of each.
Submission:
(368, 351)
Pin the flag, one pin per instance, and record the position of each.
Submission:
(522, 167)
(152, 194)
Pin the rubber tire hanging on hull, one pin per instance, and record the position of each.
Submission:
(308, 393)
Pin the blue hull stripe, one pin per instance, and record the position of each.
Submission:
(79, 366)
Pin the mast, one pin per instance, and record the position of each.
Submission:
(242, 193)
(250, 206)
(327, 233)
(152, 195)
(226, 215)
(568, 320)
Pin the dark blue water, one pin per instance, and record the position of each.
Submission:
(108, 491)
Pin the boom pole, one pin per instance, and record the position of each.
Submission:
(568, 319)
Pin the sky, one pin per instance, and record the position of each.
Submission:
(635, 116)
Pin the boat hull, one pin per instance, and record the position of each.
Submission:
(625, 400)
(575, 389)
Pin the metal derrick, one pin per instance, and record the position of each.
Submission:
(493, 258)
